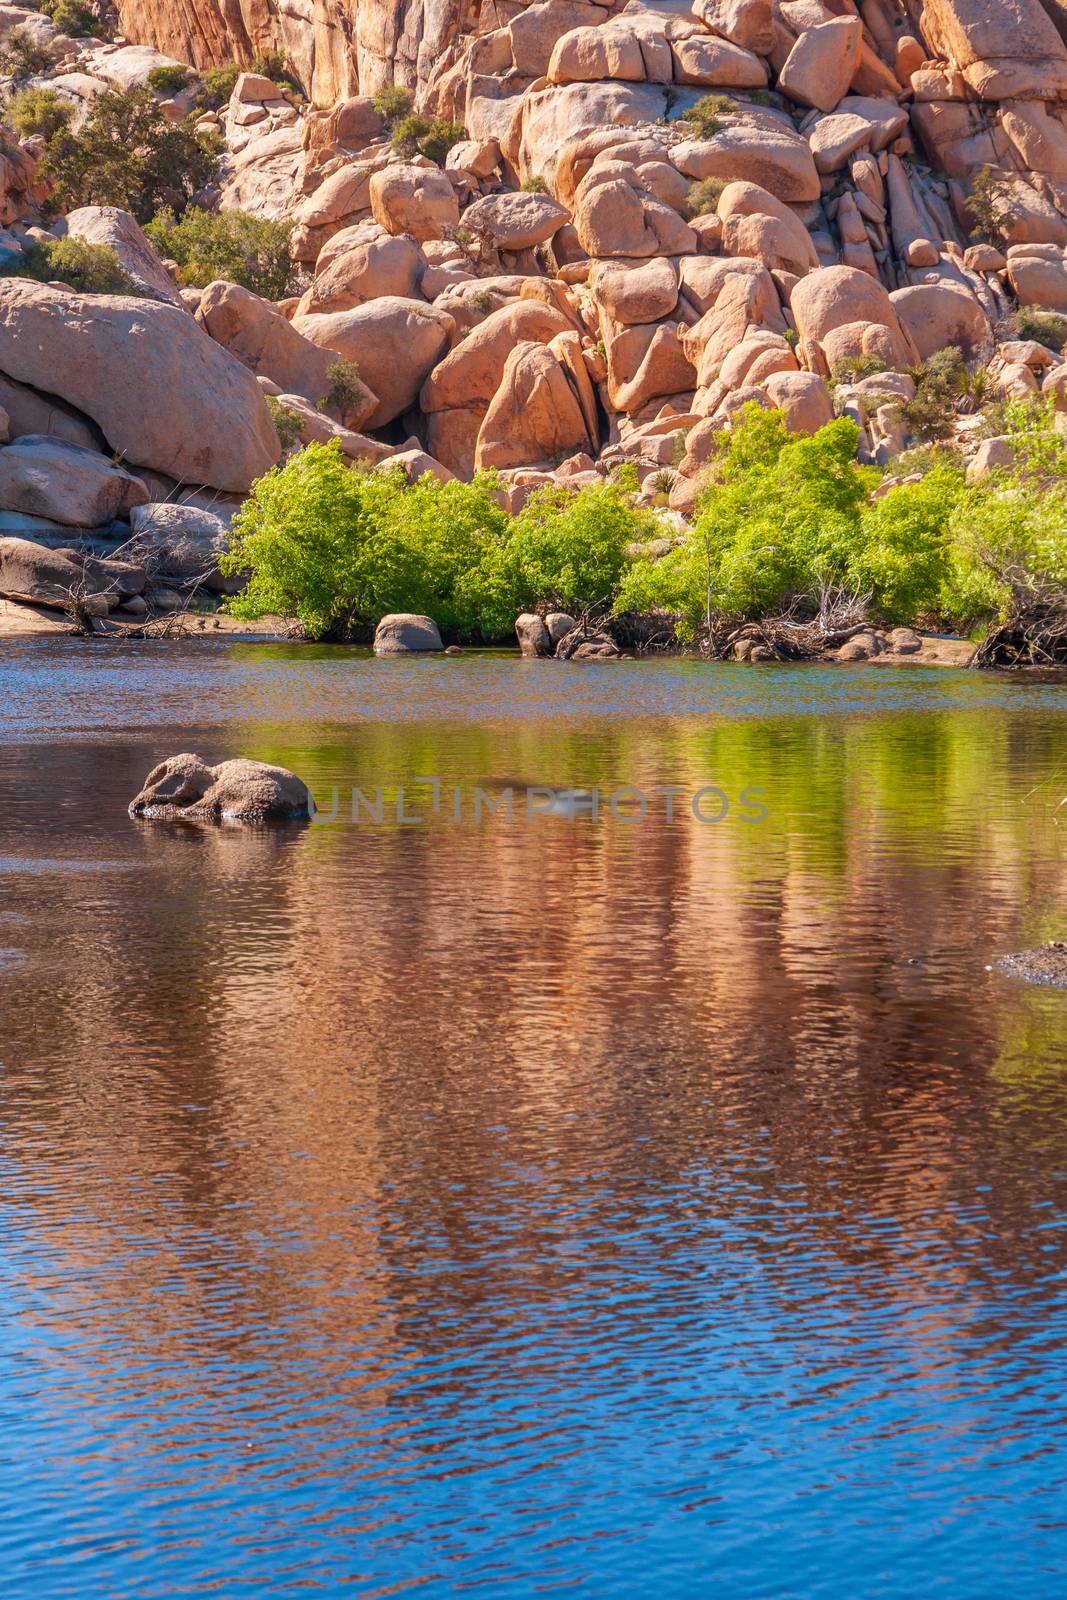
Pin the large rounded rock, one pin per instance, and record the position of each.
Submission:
(50, 478)
(185, 788)
(838, 297)
(119, 231)
(767, 154)
(516, 221)
(266, 342)
(937, 315)
(403, 633)
(396, 343)
(371, 264)
(821, 65)
(535, 415)
(416, 200)
(163, 393)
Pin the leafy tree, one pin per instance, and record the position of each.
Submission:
(38, 111)
(169, 80)
(21, 58)
(215, 87)
(127, 154)
(567, 550)
(232, 245)
(415, 135)
(76, 18)
(86, 268)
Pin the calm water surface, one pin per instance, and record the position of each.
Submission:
(563, 1206)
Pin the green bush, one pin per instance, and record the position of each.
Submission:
(1034, 322)
(127, 154)
(703, 197)
(169, 80)
(339, 547)
(346, 392)
(271, 64)
(706, 113)
(288, 424)
(534, 185)
(414, 135)
(853, 369)
(21, 58)
(87, 268)
(392, 103)
(567, 551)
(215, 87)
(232, 245)
(75, 18)
(38, 111)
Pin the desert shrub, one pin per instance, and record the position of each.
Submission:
(288, 424)
(567, 549)
(703, 197)
(534, 186)
(271, 64)
(215, 87)
(169, 80)
(415, 135)
(705, 115)
(906, 558)
(87, 268)
(232, 245)
(393, 103)
(1034, 322)
(853, 369)
(988, 204)
(38, 111)
(75, 18)
(346, 392)
(127, 154)
(940, 385)
(339, 547)
(21, 58)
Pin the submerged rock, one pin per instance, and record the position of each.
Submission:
(1047, 967)
(185, 788)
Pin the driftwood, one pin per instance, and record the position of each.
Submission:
(1034, 632)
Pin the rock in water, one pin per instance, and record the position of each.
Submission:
(402, 633)
(1047, 967)
(185, 788)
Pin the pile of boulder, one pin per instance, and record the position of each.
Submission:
(658, 215)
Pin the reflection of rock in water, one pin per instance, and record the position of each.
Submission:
(1047, 966)
(11, 958)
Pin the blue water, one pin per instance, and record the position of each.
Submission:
(555, 1207)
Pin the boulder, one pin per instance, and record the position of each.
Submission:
(362, 264)
(803, 399)
(822, 64)
(533, 635)
(591, 55)
(936, 315)
(402, 633)
(516, 221)
(615, 216)
(1006, 49)
(701, 60)
(559, 624)
(163, 393)
(267, 343)
(749, 23)
(768, 154)
(184, 788)
(637, 292)
(395, 342)
(838, 297)
(110, 226)
(535, 415)
(34, 575)
(419, 201)
(46, 477)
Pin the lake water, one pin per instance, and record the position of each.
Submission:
(564, 1204)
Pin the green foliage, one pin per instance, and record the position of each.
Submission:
(38, 111)
(215, 87)
(86, 268)
(853, 369)
(568, 550)
(1034, 322)
(346, 392)
(706, 113)
(339, 547)
(232, 245)
(392, 103)
(414, 135)
(944, 387)
(288, 424)
(703, 197)
(534, 186)
(75, 18)
(169, 80)
(271, 64)
(127, 154)
(21, 58)
(988, 205)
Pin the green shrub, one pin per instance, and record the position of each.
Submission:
(853, 369)
(38, 111)
(346, 392)
(288, 424)
(232, 245)
(703, 197)
(1034, 322)
(87, 268)
(215, 87)
(706, 113)
(534, 186)
(339, 547)
(567, 550)
(127, 154)
(75, 18)
(988, 204)
(169, 80)
(21, 58)
(392, 103)
(414, 135)
(271, 64)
